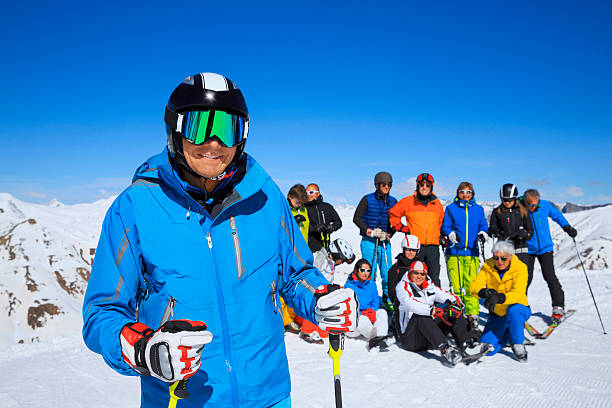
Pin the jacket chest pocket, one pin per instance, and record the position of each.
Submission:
(253, 244)
(237, 248)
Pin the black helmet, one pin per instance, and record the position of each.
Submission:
(382, 177)
(508, 191)
(201, 92)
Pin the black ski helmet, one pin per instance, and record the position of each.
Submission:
(508, 191)
(382, 177)
(200, 92)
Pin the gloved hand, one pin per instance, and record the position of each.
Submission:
(377, 233)
(299, 218)
(337, 308)
(321, 228)
(370, 314)
(443, 315)
(486, 292)
(571, 231)
(444, 242)
(452, 237)
(522, 234)
(171, 353)
(494, 299)
(402, 228)
(482, 236)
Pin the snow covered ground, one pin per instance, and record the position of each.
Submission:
(571, 368)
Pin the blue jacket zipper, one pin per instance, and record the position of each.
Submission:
(224, 328)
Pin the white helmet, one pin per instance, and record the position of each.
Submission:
(341, 249)
(411, 242)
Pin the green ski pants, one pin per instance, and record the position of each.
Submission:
(462, 271)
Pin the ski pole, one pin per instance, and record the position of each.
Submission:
(588, 283)
(375, 256)
(336, 345)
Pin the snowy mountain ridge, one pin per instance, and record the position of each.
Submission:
(46, 253)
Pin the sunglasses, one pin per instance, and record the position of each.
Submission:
(199, 127)
(500, 258)
(419, 273)
(364, 270)
(533, 205)
(424, 184)
(466, 191)
(508, 200)
(384, 184)
(312, 192)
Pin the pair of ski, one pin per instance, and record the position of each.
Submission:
(547, 332)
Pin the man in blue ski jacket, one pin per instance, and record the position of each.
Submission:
(372, 218)
(541, 246)
(192, 261)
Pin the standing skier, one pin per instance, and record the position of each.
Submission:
(464, 224)
(501, 283)
(372, 218)
(323, 219)
(424, 214)
(510, 220)
(541, 247)
(192, 259)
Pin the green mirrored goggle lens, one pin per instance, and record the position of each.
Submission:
(201, 126)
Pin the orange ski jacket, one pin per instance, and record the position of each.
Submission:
(423, 219)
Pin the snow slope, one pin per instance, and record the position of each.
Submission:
(572, 368)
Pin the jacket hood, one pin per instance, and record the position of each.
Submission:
(425, 199)
(314, 202)
(353, 277)
(403, 261)
(157, 169)
(464, 203)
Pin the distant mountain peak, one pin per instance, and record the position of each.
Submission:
(55, 203)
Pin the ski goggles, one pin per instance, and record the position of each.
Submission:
(199, 127)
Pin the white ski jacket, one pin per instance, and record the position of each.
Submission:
(414, 299)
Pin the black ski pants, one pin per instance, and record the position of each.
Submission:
(430, 255)
(548, 272)
(424, 333)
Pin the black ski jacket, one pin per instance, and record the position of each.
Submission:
(508, 224)
(323, 218)
(396, 272)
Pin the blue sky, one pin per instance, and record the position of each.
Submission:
(489, 92)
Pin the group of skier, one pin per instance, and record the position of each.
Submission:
(423, 313)
(198, 254)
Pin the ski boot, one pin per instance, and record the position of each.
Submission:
(450, 354)
(557, 314)
(313, 337)
(292, 327)
(379, 342)
(520, 352)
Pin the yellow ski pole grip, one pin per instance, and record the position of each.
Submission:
(178, 390)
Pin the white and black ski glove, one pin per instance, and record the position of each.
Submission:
(337, 308)
(452, 237)
(171, 353)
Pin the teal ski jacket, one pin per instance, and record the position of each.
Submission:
(160, 253)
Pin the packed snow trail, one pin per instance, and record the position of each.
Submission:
(572, 368)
